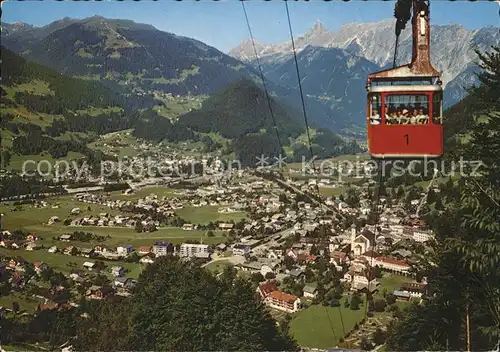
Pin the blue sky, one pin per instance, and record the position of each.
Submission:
(222, 24)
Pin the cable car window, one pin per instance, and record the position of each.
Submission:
(437, 108)
(375, 109)
(402, 109)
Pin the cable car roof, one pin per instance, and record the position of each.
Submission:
(406, 88)
(405, 72)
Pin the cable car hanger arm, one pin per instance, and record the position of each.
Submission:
(420, 66)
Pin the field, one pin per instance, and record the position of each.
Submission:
(218, 266)
(17, 161)
(391, 282)
(6, 137)
(439, 180)
(338, 159)
(124, 143)
(321, 327)
(176, 107)
(35, 87)
(332, 192)
(35, 220)
(203, 215)
(60, 262)
(98, 111)
(23, 115)
(28, 304)
(77, 136)
(311, 327)
(29, 216)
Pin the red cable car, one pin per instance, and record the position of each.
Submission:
(404, 110)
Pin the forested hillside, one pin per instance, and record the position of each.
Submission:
(46, 112)
(65, 93)
(460, 118)
(39, 104)
(132, 54)
(239, 109)
(241, 112)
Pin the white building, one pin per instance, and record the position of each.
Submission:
(362, 242)
(241, 249)
(89, 265)
(310, 292)
(190, 250)
(146, 260)
(124, 249)
(420, 236)
(162, 248)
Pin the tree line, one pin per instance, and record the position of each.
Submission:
(204, 313)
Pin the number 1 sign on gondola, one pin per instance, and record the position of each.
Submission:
(404, 110)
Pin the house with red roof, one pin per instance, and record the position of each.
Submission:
(283, 301)
(338, 258)
(393, 265)
(145, 250)
(306, 257)
(265, 290)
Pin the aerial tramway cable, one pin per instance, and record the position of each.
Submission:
(300, 85)
(269, 103)
(309, 141)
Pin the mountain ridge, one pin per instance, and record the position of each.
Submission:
(375, 42)
(128, 53)
(333, 77)
(132, 57)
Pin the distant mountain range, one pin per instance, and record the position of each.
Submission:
(130, 54)
(452, 50)
(138, 59)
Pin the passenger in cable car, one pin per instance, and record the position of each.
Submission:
(399, 112)
(414, 116)
(423, 116)
(375, 118)
(388, 117)
(404, 119)
(393, 116)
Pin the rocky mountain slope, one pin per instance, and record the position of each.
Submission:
(452, 48)
(332, 77)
